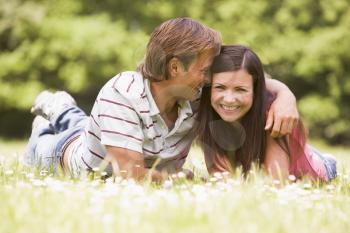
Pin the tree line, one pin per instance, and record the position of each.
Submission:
(77, 45)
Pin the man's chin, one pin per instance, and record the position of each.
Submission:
(197, 95)
(194, 97)
(190, 97)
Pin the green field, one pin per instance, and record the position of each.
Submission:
(37, 202)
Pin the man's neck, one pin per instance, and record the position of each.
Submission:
(162, 95)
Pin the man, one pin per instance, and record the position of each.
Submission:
(141, 120)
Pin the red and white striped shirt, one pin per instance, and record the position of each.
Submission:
(125, 115)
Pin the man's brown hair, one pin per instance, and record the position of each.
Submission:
(183, 38)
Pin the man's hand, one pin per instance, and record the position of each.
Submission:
(283, 115)
(130, 164)
(183, 174)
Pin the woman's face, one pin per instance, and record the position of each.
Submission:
(232, 94)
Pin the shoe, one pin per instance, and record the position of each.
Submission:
(40, 100)
(38, 122)
(48, 104)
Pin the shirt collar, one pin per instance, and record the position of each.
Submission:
(152, 104)
(185, 109)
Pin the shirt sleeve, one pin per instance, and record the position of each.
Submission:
(119, 123)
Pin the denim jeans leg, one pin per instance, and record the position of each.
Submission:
(331, 165)
(46, 152)
(46, 143)
(329, 162)
(42, 131)
(69, 118)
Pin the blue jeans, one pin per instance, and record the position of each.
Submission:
(48, 140)
(329, 162)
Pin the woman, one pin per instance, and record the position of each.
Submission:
(231, 119)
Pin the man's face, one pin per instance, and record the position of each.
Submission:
(191, 81)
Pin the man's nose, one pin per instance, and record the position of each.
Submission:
(206, 80)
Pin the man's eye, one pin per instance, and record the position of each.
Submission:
(206, 72)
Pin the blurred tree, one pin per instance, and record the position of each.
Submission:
(77, 45)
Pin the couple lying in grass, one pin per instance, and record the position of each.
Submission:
(188, 87)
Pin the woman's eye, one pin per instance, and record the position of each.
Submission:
(241, 90)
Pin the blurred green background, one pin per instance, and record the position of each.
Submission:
(77, 45)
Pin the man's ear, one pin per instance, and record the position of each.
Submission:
(174, 67)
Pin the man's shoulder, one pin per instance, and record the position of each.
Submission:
(129, 84)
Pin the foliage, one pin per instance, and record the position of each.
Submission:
(77, 45)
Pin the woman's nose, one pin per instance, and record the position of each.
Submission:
(230, 97)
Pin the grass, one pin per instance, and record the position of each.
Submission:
(38, 202)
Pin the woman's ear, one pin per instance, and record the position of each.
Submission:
(174, 67)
